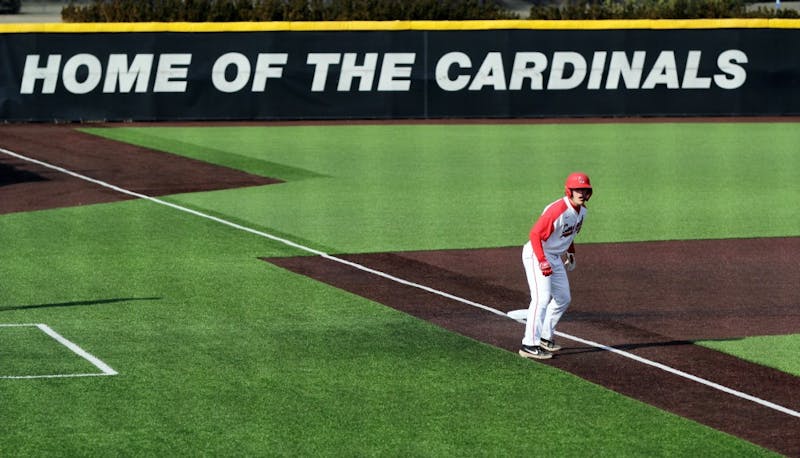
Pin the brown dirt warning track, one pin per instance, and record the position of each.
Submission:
(650, 299)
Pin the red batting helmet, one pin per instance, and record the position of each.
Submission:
(577, 180)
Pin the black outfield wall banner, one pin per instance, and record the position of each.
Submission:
(509, 69)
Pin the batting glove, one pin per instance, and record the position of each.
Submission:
(570, 262)
(544, 266)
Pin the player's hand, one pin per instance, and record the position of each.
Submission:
(569, 263)
(544, 266)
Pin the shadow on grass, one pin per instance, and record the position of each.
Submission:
(76, 303)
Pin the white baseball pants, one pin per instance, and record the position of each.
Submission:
(550, 296)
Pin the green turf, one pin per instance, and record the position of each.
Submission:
(408, 187)
(220, 353)
(779, 352)
(27, 351)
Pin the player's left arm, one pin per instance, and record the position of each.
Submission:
(569, 262)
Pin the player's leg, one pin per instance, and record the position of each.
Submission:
(561, 298)
(540, 295)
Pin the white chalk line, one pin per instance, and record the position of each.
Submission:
(683, 374)
(287, 242)
(104, 368)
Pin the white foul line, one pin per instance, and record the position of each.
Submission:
(284, 241)
(104, 368)
(683, 374)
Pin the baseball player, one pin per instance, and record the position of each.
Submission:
(551, 240)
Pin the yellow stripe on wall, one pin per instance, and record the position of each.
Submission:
(333, 26)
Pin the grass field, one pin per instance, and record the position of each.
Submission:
(219, 353)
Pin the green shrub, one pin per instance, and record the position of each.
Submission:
(655, 9)
(389, 10)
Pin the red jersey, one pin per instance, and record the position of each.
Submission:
(556, 229)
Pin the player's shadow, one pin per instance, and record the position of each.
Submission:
(569, 350)
(5, 308)
(12, 175)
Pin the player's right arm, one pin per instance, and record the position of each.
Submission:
(544, 227)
